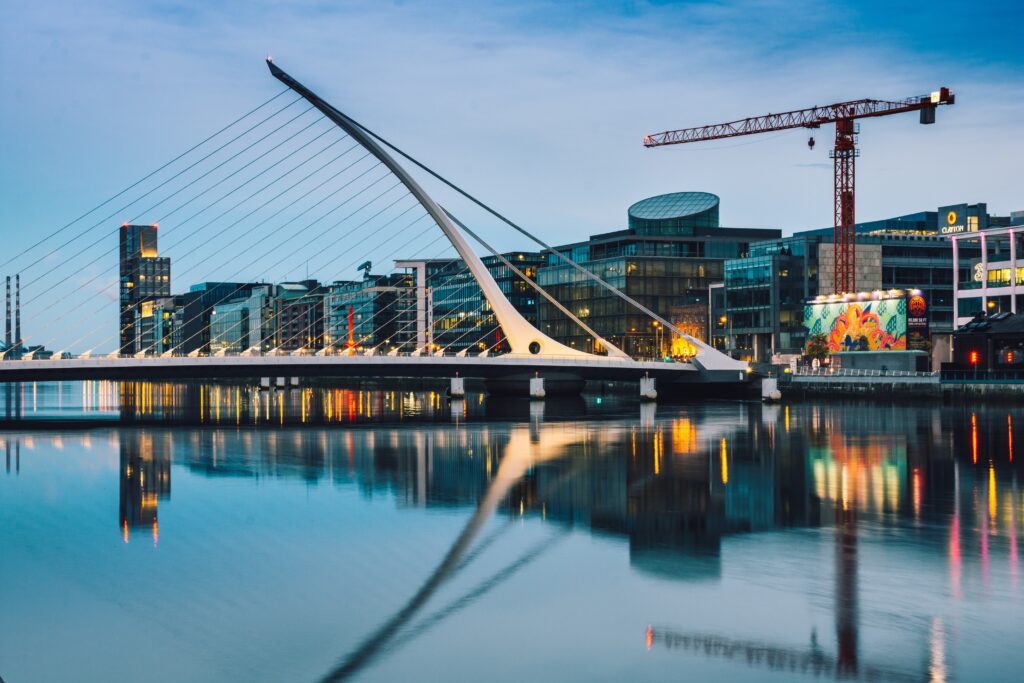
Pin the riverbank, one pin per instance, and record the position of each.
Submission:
(890, 387)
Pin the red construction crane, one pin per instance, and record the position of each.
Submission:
(843, 154)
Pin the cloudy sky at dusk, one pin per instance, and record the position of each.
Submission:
(537, 107)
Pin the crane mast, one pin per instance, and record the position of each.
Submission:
(843, 154)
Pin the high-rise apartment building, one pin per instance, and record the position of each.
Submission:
(144, 276)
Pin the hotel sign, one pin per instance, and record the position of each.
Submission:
(953, 220)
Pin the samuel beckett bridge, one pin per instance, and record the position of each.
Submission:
(297, 182)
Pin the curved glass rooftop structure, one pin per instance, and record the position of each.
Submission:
(678, 213)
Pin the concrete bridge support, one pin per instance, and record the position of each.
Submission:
(458, 387)
(648, 392)
(537, 387)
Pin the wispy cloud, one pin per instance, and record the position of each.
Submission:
(538, 107)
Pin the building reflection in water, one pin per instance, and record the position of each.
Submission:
(243, 405)
(672, 487)
(13, 447)
(145, 479)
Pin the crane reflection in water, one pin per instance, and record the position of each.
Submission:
(674, 483)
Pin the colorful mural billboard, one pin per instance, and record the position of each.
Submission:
(859, 325)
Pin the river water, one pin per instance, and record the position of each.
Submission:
(212, 533)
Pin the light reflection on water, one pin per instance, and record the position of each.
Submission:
(721, 542)
(91, 402)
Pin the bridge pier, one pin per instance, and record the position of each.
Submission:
(648, 391)
(537, 387)
(458, 387)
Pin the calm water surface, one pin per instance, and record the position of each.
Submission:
(322, 535)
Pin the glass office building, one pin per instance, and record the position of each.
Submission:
(462, 317)
(377, 312)
(761, 312)
(143, 276)
(671, 252)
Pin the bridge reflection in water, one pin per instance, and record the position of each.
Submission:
(674, 486)
(39, 404)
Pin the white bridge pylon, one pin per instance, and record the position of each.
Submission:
(524, 339)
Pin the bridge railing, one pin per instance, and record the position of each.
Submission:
(858, 372)
(242, 358)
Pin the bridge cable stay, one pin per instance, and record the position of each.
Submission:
(519, 274)
(313, 324)
(322, 318)
(429, 278)
(436, 302)
(252, 245)
(292, 203)
(502, 575)
(555, 302)
(138, 216)
(488, 584)
(582, 269)
(238, 204)
(521, 453)
(479, 314)
(515, 270)
(319, 320)
(382, 326)
(222, 231)
(525, 339)
(321, 235)
(104, 221)
(611, 348)
(716, 357)
(112, 284)
(99, 206)
(241, 287)
(591, 275)
(115, 249)
(464, 270)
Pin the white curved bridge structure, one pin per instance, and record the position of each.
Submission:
(533, 354)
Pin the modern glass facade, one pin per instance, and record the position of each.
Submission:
(764, 295)
(462, 317)
(671, 253)
(765, 292)
(679, 213)
(377, 312)
(299, 316)
(143, 276)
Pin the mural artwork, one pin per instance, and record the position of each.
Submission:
(877, 325)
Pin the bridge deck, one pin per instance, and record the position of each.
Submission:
(227, 367)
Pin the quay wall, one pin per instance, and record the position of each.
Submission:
(899, 388)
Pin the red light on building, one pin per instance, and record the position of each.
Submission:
(974, 357)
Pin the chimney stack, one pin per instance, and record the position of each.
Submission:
(17, 309)
(7, 335)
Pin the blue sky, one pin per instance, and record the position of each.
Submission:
(537, 107)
